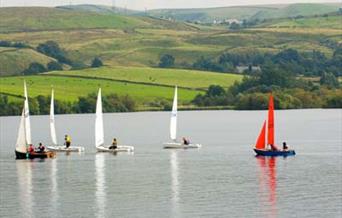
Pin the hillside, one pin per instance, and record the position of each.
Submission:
(102, 9)
(46, 19)
(261, 12)
(328, 22)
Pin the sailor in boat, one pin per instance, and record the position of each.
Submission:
(41, 148)
(186, 141)
(271, 147)
(30, 149)
(114, 144)
(285, 147)
(67, 141)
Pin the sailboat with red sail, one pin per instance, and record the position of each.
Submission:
(260, 146)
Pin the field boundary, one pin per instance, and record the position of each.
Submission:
(123, 81)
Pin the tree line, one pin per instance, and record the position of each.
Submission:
(290, 92)
(313, 63)
(40, 105)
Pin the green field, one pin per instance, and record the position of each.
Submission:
(69, 89)
(168, 77)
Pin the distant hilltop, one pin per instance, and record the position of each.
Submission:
(221, 14)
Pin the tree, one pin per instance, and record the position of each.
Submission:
(329, 80)
(34, 68)
(52, 49)
(96, 62)
(234, 26)
(53, 65)
(167, 61)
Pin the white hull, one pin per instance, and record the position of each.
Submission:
(61, 148)
(176, 145)
(120, 148)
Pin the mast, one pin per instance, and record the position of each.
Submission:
(99, 133)
(27, 117)
(270, 123)
(173, 121)
(52, 120)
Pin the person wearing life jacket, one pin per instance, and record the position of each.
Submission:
(114, 144)
(285, 147)
(67, 141)
(41, 148)
(30, 148)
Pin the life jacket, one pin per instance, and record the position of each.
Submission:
(68, 139)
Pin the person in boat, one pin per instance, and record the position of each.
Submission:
(273, 148)
(30, 148)
(186, 141)
(114, 144)
(285, 147)
(41, 148)
(67, 141)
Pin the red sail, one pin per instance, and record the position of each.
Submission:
(270, 124)
(260, 144)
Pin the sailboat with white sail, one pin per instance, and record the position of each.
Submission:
(173, 128)
(24, 135)
(55, 146)
(99, 132)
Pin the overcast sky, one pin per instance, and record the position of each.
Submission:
(152, 4)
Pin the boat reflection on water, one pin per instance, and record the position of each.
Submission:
(174, 183)
(268, 185)
(24, 175)
(54, 188)
(100, 193)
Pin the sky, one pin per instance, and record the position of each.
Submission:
(153, 4)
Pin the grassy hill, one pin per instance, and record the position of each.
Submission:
(208, 15)
(18, 19)
(14, 60)
(328, 22)
(102, 9)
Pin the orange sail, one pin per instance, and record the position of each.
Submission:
(270, 123)
(260, 144)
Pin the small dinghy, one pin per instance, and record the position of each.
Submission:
(260, 147)
(55, 146)
(99, 132)
(24, 136)
(173, 130)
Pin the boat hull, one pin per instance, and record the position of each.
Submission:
(33, 155)
(274, 153)
(120, 148)
(175, 145)
(64, 149)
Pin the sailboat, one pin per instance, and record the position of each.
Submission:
(99, 132)
(55, 146)
(260, 146)
(24, 135)
(173, 128)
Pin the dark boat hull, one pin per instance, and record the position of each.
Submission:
(274, 153)
(48, 154)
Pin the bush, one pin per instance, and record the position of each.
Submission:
(53, 65)
(34, 68)
(167, 61)
(96, 62)
(52, 49)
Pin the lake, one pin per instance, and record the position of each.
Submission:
(222, 179)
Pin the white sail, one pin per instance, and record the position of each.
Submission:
(52, 120)
(27, 117)
(21, 140)
(173, 122)
(99, 135)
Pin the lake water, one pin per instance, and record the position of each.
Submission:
(222, 179)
